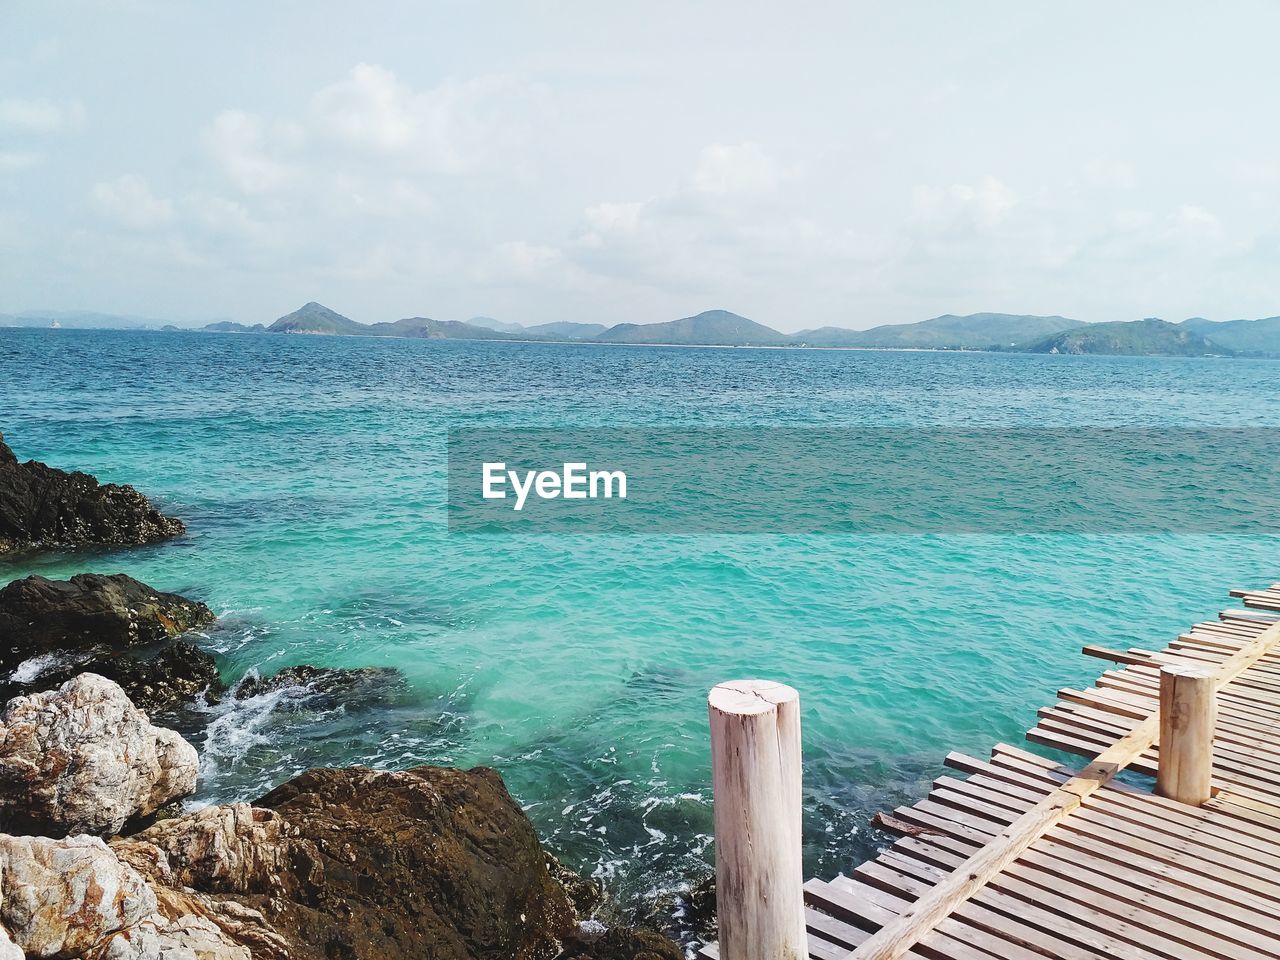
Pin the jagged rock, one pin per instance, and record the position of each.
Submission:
(430, 862)
(83, 759)
(623, 943)
(74, 898)
(190, 937)
(687, 916)
(326, 687)
(42, 506)
(60, 898)
(116, 626)
(585, 894)
(232, 848)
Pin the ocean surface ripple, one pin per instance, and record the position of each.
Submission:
(311, 474)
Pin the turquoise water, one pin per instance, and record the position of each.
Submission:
(310, 472)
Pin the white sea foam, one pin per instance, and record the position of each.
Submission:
(30, 669)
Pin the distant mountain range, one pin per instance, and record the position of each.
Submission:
(1142, 338)
(977, 331)
(1021, 333)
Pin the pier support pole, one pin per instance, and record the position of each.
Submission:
(755, 764)
(1187, 716)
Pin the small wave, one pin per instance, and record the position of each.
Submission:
(28, 671)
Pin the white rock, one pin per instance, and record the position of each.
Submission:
(186, 938)
(8, 949)
(84, 759)
(58, 898)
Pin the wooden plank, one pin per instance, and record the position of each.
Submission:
(897, 937)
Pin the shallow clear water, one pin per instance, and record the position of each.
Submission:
(310, 472)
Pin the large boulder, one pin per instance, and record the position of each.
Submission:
(61, 898)
(83, 759)
(42, 506)
(74, 898)
(115, 626)
(429, 862)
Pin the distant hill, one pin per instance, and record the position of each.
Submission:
(230, 326)
(711, 328)
(424, 328)
(1257, 337)
(317, 318)
(1149, 338)
(976, 331)
(566, 330)
(506, 326)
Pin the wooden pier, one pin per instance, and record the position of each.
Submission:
(1023, 858)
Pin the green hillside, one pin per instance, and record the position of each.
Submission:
(566, 330)
(1148, 338)
(976, 331)
(424, 328)
(710, 328)
(316, 318)
(1257, 337)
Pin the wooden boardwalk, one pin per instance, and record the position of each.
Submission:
(1023, 858)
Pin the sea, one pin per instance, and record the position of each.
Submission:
(311, 473)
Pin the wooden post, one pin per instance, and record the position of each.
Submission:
(755, 773)
(1187, 715)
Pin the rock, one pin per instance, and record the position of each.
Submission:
(8, 949)
(116, 626)
(42, 506)
(60, 898)
(624, 943)
(326, 687)
(585, 894)
(83, 759)
(358, 863)
(687, 916)
(233, 848)
(158, 938)
(75, 898)
(114, 610)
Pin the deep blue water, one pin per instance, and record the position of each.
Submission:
(310, 472)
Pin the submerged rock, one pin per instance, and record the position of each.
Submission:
(83, 759)
(116, 626)
(430, 862)
(329, 686)
(42, 506)
(624, 943)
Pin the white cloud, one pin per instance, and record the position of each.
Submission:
(239, 145)
(983, 205)
(735, 168)
(129, 201)
(39, 116)
(451, 128)
(19, 159)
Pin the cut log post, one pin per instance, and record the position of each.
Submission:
(1187, 716)
(755, 772)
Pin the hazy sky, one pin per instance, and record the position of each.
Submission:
(802, 164)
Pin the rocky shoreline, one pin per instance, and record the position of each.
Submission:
(99, 860)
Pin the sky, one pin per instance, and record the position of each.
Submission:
(805, 164)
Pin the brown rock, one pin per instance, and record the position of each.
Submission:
(430, 862)
(625, 943)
